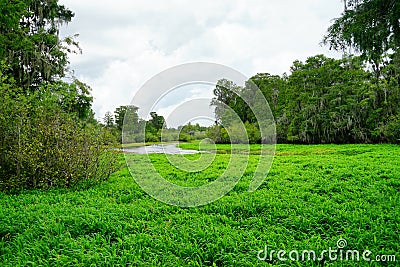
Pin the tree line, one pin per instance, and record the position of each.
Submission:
(127, 127)
(323, 100)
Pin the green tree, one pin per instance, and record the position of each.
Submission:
(30, 43)
(226, 95)
(370, 27)
(156, 122)
(48, 135)
(108, 120)
(74, 98)
(274, 89)
(129, 126)
(127, 115)
(323, 100)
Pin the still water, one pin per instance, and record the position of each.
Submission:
(159, 149)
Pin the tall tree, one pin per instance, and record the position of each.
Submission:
(108, 120)
(370, 27)
(128, 116)
(30, 43)
(73, 97)
(157, 121)
(227, 94)
(322, 101)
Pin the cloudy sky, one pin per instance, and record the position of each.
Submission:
(126, 42)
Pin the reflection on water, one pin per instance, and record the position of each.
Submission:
(159, 149)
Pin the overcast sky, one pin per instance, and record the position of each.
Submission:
(126, 42)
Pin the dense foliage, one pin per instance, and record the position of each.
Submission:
(371, 27)
(44, 146)
(323, 100)
(29, 40)
(48, 135)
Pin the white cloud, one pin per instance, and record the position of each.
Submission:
(178, 105)
(126, 42)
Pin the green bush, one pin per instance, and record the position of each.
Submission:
(150, 137)
(43, 146)
(184, 137)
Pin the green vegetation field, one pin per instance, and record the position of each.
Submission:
(312, 197)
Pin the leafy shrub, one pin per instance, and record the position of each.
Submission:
(184, 137)
(43, 146)
(150, 137)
